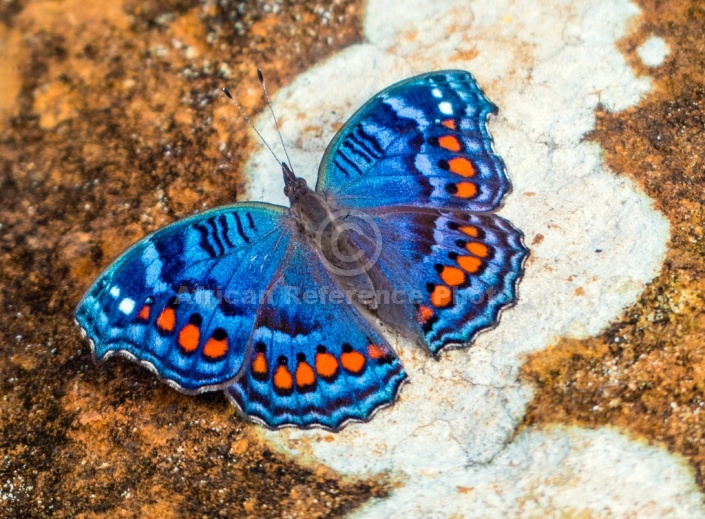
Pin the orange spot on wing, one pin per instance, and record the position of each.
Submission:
(282, 378)
(188, 337)
(424, 314)
(326, 365)
(375, 352)
(166, 321)
(259, 364)
(353, 361)
(452, 276)
(469, 263)
(449, 142)
(478, 249)
(305, 376)
(215, 348)
(461, 166)
(441, 296)
(450, 123)
(469, 230)
(143, 314)
(466, 189)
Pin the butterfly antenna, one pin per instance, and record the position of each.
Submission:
(232, 99)
(276, 123)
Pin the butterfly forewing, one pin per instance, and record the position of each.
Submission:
(183, 300)
(422, 142)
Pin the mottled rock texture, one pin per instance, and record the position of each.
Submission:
(111, 125)
(646, 372)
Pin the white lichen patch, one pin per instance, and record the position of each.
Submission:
(653, 51)
(595, 241)
(555, 473)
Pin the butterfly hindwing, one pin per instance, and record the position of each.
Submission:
(422, 142)
(456, 269)
(316, 361)
(183, 300)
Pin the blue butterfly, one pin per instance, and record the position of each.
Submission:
(279, 306)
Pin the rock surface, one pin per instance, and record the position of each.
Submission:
(111, 125)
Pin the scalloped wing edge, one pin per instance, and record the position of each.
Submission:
(500, 311)
(151, 367)
(260, 421)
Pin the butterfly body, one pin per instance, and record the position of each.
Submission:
(321, 227)
(279, 306)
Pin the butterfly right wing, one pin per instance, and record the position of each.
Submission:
(183, 300)
(453, 271)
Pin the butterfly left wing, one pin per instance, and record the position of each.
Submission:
(422, 142)
(183, 300)
(316, 361)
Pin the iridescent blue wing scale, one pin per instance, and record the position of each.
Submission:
(422, 142)
(316, 361)
(183, 300)
(418, 158)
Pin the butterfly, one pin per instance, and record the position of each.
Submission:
(280, 307)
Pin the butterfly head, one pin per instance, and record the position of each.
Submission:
(294, 187)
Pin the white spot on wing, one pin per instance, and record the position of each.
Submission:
(126, 306)
(115, 292)
(436, 93)
(445, 108)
